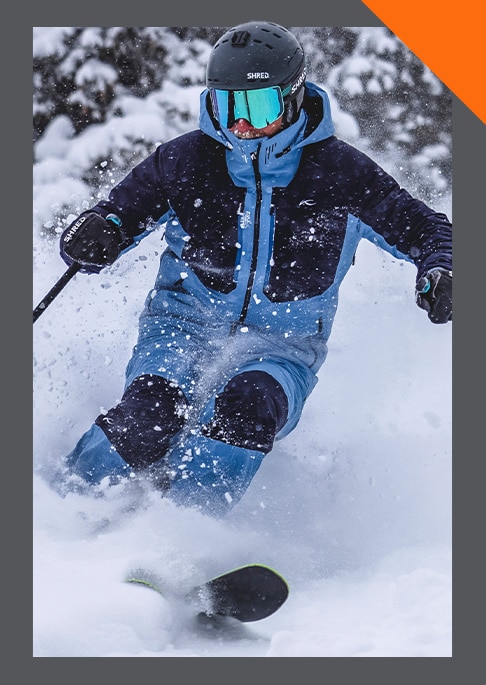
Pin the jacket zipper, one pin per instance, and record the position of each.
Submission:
(256, 241)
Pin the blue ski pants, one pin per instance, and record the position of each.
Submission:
(197, 418)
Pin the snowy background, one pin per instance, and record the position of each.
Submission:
(354, 507)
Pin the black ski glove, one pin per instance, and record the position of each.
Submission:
(92, 242)
(433, 293)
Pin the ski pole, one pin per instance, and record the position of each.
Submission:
(56, 289)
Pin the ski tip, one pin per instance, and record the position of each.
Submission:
(256, 566)
(248, 593)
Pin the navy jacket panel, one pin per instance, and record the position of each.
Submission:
(342, 180)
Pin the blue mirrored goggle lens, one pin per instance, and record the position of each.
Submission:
(259, 107)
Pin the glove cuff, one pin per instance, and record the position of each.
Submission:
(428, 281)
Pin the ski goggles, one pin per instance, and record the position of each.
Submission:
(260, 107)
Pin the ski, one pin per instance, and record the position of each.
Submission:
(247, 593)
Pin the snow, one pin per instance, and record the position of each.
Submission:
(354, 507)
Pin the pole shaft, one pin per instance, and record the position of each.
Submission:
(56, 289)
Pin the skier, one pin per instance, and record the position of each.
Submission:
(263, 208)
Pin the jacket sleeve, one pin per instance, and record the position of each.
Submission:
(399, 220)
(407, 224)
(139, 199)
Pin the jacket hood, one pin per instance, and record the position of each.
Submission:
(313, 125)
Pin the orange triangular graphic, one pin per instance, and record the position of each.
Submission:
(448, 38)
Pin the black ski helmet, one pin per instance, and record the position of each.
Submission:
(258, 54)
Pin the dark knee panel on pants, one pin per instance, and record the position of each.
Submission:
(250, 411)
(141, 426)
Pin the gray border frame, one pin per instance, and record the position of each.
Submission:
(469, 153)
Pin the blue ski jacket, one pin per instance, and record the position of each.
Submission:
(260, 234)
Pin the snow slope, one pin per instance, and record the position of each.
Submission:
(354, 507)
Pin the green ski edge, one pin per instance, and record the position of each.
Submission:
(247, 593)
